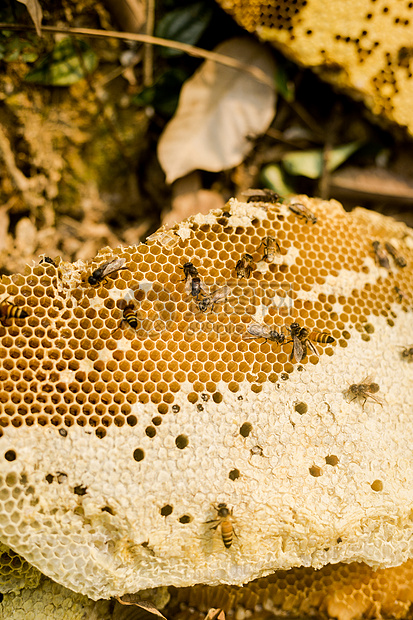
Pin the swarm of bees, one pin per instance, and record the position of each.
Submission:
(302, 211)
(10, 311)
(224, 522)
(364, 390)
(106, 269)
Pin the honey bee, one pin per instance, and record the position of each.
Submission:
(196, 287)
(190, 271)
(401, 295)
(302, 338)
(224, 521)
(398, 258)
(48, 260)
(321, 337)
(191, 274)
(271, 248)
(245, 266)
(407, 353)
(102, 272)
(129, 317)
(261, 195)
(256, 330)
(10, 311)
(366, 389)
(381, 257)
(216, 297)
(302, 211)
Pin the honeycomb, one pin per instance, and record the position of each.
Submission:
(15, 572)
(51, 601)
(343, 591)
(363, 47)
(128, 414)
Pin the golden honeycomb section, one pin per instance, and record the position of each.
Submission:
(128, 414)
(343, 591)
(74, 360)
(366, 48)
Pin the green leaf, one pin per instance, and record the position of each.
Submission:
(164, 94)
(273, 177)
(185, 24)
(285, 86)
(310, 163)
(68, 63)
(13, 48)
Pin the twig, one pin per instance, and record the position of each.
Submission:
(148, 48)
(197, 52)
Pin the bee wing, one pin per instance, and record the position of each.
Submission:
(298, 350)
(221, 293)
(312, 347)
(255, 329)
(252, 192)
(112, 265)
(367, 380)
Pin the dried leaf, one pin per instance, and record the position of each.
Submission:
(310, 163)
(129, 14)
(36, 13)
(219, 109)
(133, 599)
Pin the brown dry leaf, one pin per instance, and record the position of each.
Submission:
(36, 13)
(130, 14)
(219, 109)
(133, 599)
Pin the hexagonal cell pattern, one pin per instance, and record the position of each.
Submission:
(335, 591)
(197, 372)
(366, 50)
(75, 359)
